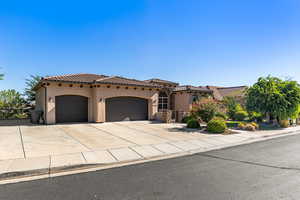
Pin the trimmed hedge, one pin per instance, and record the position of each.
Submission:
(216, 126)
(193, 123)
(186, 119)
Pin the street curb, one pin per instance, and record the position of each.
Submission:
(18, 176)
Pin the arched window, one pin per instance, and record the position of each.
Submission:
(162, 101)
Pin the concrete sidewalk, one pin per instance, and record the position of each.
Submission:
(50, 165)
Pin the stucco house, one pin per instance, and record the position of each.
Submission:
(100, 98)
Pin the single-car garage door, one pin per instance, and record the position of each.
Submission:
(71, 108)
(126, 108)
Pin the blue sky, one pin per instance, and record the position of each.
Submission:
(209, 42)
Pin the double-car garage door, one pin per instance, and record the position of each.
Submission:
(72, 108)
(126, 108)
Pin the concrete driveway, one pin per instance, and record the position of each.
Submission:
(48, 150)
(38, 141)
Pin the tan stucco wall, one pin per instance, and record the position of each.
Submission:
(54, 90)
(182, 102)
(96, 96)
(103, 93)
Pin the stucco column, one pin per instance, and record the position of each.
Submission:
(101, 110)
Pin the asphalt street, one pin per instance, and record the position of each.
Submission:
(262, 170)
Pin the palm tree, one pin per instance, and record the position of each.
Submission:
(31, 82)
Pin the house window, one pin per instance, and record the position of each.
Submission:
(195, 98)
(162, 101)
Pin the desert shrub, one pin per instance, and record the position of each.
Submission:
(206, 109)
(232, 106)
(249, 127)
(284, 123)
(242, 125)
(216, 126)
(241, 115)
(193, 123)
(187, 118)
(207, 112)
(221, 115)
(255, 125)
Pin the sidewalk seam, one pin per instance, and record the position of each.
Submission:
(112, 155)
(137, 152)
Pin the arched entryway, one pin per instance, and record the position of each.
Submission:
(126, 109)
(71, 108)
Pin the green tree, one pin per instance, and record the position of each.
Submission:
(231, 106)
(11, 104)
(1, 76)
(31, 82)
(274, 97)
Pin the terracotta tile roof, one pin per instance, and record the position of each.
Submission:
(125, 81)
(157, 80)
(191, 88)
(216, 93)
(94, 78)
(221, 92)
(82, 78)
(232, 91)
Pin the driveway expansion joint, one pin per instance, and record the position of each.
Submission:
(22, 143)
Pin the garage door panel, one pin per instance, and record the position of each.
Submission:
(126, 108)
(71, 108)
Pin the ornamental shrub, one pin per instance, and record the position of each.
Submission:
(187, 118)
(242, 125)
(216, 126)
(221, 115)
(218, 118)
(255, 116)
(193, 123)
(207, 113)
(206, 109)
(249, 127)
(255, 125)
(241, 115)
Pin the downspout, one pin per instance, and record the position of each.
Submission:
(46, 107)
